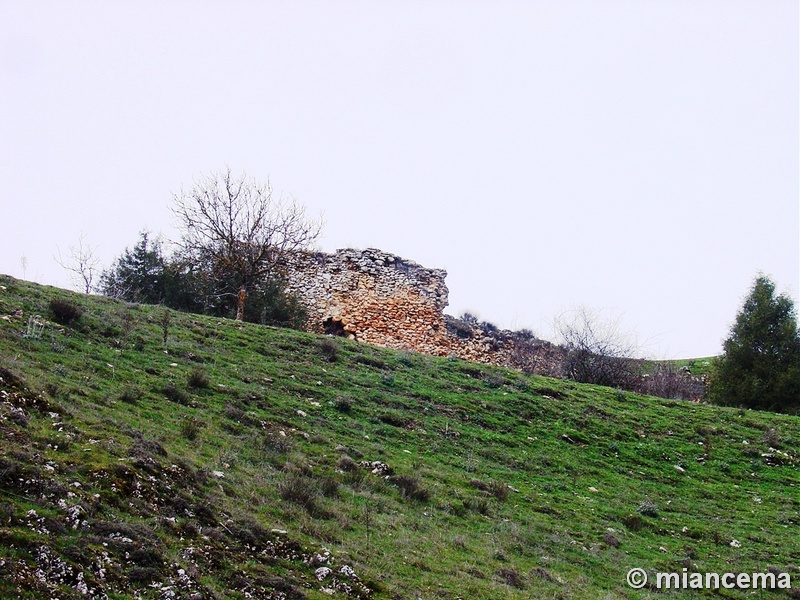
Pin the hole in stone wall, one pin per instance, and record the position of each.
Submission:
(333, 326)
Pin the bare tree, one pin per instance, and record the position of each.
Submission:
(597, 351)
(81, 262)
(238, 233)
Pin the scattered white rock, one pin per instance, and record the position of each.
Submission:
(322, 573)
(218, 474)
(348, 571)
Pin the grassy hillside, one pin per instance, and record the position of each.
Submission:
(152, 454)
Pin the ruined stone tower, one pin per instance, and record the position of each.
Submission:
(374, 297)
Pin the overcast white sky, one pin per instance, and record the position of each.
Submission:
(637, 156)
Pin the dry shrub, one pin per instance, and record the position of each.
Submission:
(300, 490)
(411, 487)
(190, 428)
(511, 577)
(329, 349)
(176, 395)
(198, 379)
(65, 312)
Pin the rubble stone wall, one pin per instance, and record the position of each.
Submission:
(374, 297)
(379, 298)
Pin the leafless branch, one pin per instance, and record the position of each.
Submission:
(598, 351)
(238, 231)
(81, 262)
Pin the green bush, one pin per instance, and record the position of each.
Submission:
(648, 508)
(343, 403)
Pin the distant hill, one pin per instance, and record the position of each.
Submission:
(147, 453)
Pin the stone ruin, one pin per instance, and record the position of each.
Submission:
(383, 299)
(372, 296)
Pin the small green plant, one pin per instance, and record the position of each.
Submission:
(343, 403)
(395, 419)
(34, 328)
(128, 324)
(498, 489)
(648, 508)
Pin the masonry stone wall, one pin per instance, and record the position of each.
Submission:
(373, 296)
(379, 298)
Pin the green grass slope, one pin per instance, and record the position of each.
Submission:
(151, 454)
